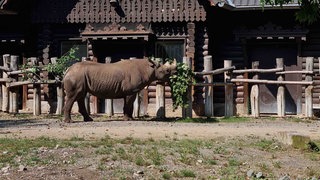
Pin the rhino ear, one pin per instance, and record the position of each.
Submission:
(172, 65)
(154, 63)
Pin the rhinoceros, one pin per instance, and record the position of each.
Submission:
(123, 79)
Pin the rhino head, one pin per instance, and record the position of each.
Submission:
(164, 71)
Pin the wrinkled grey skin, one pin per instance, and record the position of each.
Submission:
(122, 79)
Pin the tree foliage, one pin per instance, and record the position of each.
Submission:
(63, 63)
(308, 13)
(57, 69)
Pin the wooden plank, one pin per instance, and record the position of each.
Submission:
(13, 92)
(29, 82)
(296, 72)
(209, 111)
(216, 71)
(137, 101)
(281, 101)
(261, 81)
(60, 92)
(254, 94)
(5, 90)
(212, 84)
(228, 110)
(108, 103)
(36, 92)
(257, 70)
(160, 101)
(308, 90)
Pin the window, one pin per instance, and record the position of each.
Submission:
(170, 49)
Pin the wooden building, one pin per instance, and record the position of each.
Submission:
(237, 30)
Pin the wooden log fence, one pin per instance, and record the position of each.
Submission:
(229, 80)
(280, 82)
(10, 73)
(209, 84)
(9, 83)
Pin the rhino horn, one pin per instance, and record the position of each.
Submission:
(174, 64)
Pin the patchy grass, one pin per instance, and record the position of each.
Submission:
(213, 120)
(218, 158)
(235, 119)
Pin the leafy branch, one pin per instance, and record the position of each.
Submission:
(29, 71)
(57, 68)
(179, 84)
(63, 63)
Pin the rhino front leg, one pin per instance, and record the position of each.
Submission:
(83, 111)
(128, 107)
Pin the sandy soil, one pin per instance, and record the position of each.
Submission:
(31, 128)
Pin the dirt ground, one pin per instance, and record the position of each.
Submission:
(265, 128)
(156, 129)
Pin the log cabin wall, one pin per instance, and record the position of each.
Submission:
(149, 20)
(310, 48)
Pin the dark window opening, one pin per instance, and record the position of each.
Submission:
(170, 49)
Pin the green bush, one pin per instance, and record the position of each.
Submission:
(179, 84)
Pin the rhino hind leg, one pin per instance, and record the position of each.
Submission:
(67, 110)
(83, 111)
(128, 107)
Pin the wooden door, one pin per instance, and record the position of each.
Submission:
(266, 53)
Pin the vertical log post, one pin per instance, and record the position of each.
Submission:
(60, 91)
(108, 103)
(5, 90)
(13, 91)
(36, 92)
(1, 75)
(24, 89)
(136, 103)
(254, 96)
(228, 110)
(87, 98)
(187, 111)
(308, 90)
(160, 98)
(209, 109)
(143, 101)
(281, 100)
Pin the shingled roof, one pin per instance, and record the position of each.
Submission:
(100, 11)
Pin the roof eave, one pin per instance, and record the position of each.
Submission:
(268, 7)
